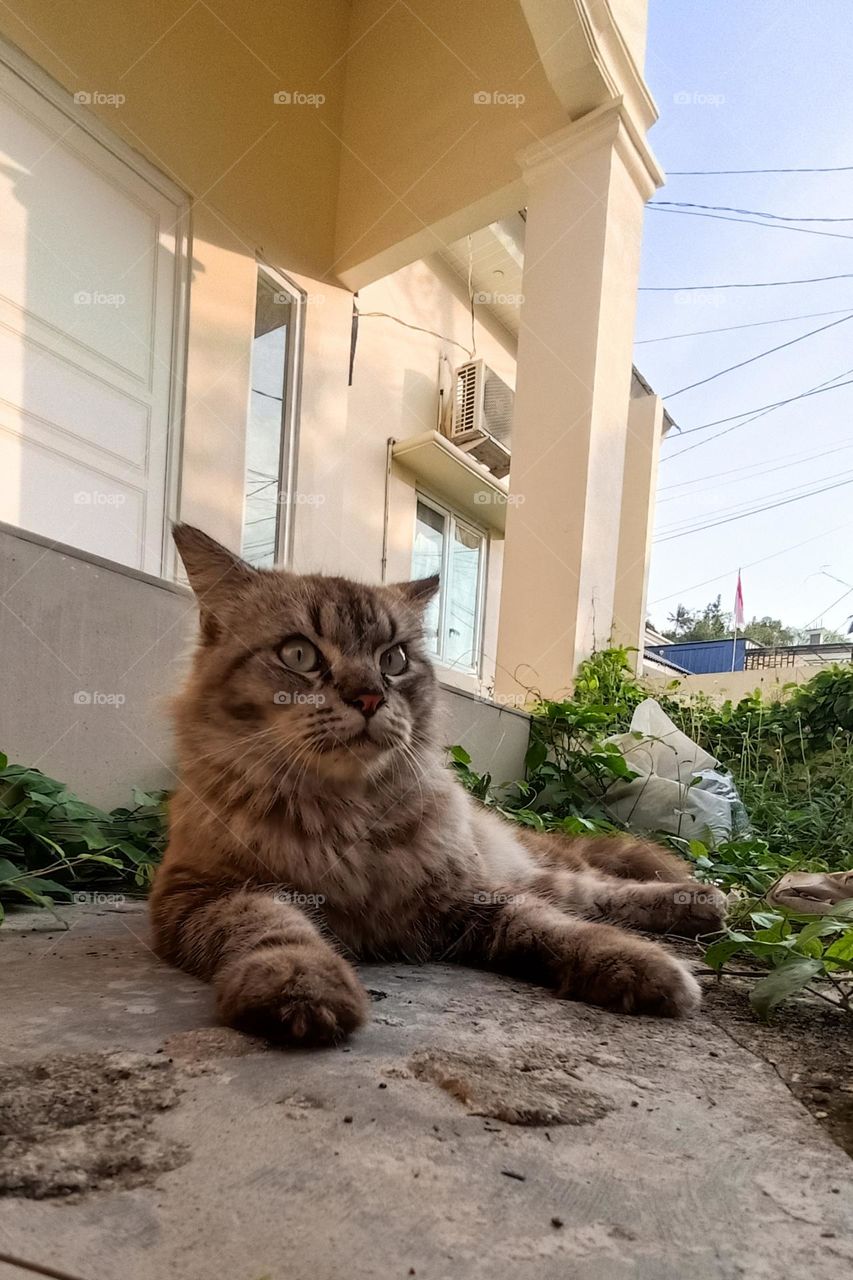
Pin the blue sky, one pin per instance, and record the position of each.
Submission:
(757, 85)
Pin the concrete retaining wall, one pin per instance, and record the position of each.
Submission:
(90, 653)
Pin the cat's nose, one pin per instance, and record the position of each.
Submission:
(369, 703)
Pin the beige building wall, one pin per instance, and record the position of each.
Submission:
(343, 430)
(394, 156)
(198, 89)
(734, 685)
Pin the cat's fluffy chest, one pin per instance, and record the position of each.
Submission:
(368, 853)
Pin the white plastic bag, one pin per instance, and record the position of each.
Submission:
(680, 788)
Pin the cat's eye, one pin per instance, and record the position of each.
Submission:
(299, 654)
(393, 661)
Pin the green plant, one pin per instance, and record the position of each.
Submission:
(53, 845)
(792, 762)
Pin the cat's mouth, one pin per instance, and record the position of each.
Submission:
(371, 739)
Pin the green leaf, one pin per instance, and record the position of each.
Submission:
(457, 753)
(41, 884)
(840, 952)
(785, 981)
(8, 870)
(718, 953)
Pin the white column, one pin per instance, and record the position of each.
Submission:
(636, 527)
(586, 188)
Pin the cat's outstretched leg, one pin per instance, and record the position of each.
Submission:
(684, 907)
(524, 935)
(273, 972)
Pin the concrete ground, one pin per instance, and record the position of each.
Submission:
(476, 1128)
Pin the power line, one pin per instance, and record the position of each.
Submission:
(774, 555)
(750, 213)
(717, 173)
(760, 467)
(772, 226)
(685, 533)
(755, 284)
(730, 328)
(746, 505)
(843, 596)
(762, 413)
(760, 356)
(778, 404)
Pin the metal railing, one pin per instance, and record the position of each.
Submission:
(791, 655)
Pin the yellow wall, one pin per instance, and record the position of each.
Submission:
(199, 103)
(343, 431)
(412, 130)
(397, 143)
(721, 685)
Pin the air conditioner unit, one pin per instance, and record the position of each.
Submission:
(481, 421)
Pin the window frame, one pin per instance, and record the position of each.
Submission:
(290, 412)
(452, 520)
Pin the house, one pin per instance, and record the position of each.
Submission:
(701, 657)
(656, 660)
(350, 285)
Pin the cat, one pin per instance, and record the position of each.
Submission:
(316, 823)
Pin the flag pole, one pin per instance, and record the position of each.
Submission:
(737, 618)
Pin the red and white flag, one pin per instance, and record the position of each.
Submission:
(739, 616)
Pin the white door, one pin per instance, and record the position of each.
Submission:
(91, 264)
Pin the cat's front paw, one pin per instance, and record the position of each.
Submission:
(297, 995)
(697, 909)
(631, 976)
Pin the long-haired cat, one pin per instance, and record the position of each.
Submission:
(315, 824)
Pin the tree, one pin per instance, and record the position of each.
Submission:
(769, 631)
(710, 623)
(713, 623)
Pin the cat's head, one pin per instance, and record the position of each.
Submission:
(319, 670)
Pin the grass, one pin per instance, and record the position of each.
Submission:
(792, 763)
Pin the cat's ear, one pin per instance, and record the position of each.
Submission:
(215, 573)
(420, 592)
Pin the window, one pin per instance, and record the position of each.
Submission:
(451, 547)
(270, 431)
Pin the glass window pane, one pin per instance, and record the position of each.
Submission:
(426, 560)
(264, 435)
(463, 589)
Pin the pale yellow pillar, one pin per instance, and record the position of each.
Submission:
(642, 450)
(586, 188)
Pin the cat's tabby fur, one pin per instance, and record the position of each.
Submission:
(307, 833)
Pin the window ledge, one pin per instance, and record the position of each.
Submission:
(455, 476)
